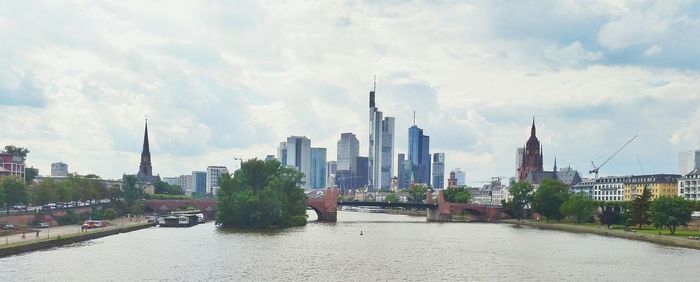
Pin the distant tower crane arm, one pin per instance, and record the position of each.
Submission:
(596, 169)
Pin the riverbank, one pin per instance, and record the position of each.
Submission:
(406, 212)
(65, 239)
(652, 238)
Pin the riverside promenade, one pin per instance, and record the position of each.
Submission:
(21, 241)
(668, 240)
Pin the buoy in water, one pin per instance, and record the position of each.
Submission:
(360, 232)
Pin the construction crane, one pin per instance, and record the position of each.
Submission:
(597, 168)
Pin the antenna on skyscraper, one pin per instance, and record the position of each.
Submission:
(414, 117)
(375, 83)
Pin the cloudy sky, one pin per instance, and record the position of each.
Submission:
(225, 79)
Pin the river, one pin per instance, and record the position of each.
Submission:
(392, 247)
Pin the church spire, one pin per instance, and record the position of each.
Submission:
(555, 164)
(146, 148)
(532, 130)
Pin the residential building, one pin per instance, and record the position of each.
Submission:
(689, 185)
(11, 165)
(419, 155)
(213, 174)
(172, 180)
(199, 182)
(299, 156)
(381, 146)
(584, 186)
(688, 161)
(658, 184)
(348, 149)
(439, 170)
(59, 169)
(318, 168)
(186, 184)
(270, 157)
(532, 156)
(609, 188)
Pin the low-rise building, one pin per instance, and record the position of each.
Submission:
(585, 186)
(689, 186)
(609, 188)
(658, 184)
(11, 165)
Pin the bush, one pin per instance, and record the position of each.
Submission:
(110, 213)
(69, 218)
(297, 220)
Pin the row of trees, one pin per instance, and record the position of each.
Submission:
(554, 201)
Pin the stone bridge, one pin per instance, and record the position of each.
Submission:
(326, 207)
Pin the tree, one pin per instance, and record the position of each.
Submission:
(639, 208)
(17, 151)
(261, 194)
(671, 211)
(14, 191)
(549, 197)
(457, 195)
(610, 216)
(44, 192)
(578, 206)
(165, 188)
(392, 198)
(416, 193)
(522, 196)
(29, 174)
(132, 190)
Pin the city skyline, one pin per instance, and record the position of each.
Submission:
(210, 98)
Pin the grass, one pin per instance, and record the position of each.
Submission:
(681, 231)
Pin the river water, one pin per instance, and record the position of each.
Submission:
(392, 247)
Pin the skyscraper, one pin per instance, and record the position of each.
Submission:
(299, 156)
(688, 161)
(318, 168)
(532, 155)
(419, 155)
(518, 159)
(381, 146)
(199, 182)
(282, 153)
(348, 149)
(403, 168)
(439, 170)
(331, 168)
(460, 176)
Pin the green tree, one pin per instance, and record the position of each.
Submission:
(165, 188)
(671, 211)
(639, 209)
(17, 151)
(457, 195)
(392, 198)
(44, 192)
(611, 215)
(14, 191)
(261, 194)
(549, 197)
(522, 197)
(132, 191)
(110, 213)
(578, 206)
(30, 173)
(416, 193)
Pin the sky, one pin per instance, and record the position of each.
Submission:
(219, 80)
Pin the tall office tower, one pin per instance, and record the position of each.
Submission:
(381, 146)
(331, 168)
(348, 149)
(403, 174)
(282, 153)
(360, 170)
(518, 159)
(460, 176)
(199, 182)
(213, 174)
(439, 170)
(299, 156)
(318, 168)
(688, 161)
(419, 155)
(59, 169)
(387, 152)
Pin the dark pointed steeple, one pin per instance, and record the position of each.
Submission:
(145, 169)
(533, 130)
(555, 164)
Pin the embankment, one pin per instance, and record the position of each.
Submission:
(66, 240)
(657, 239)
